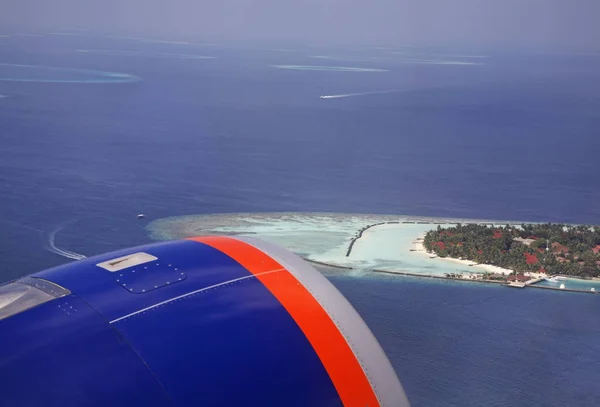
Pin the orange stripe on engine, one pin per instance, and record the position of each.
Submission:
(338, 359)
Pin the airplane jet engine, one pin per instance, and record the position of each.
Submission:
(205, 321)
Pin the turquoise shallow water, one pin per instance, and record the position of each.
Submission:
(325, 237)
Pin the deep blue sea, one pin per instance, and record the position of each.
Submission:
(127, 126)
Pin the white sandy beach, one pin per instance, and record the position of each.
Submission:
(420, 248)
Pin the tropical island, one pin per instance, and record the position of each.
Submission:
(552, 249)
(515, 254)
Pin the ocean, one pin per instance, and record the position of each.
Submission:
(121, 126)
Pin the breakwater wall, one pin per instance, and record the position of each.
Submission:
(360, 233)
(562, 289)
(320, 263)
(406, 273)
(436, 277)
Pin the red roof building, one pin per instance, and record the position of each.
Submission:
(530, 258)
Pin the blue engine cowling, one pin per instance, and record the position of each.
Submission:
(208, 321)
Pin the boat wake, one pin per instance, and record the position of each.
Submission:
(348, 95)
(50, 239)
(51, 246)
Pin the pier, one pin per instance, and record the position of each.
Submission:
(360, 233)
(563, 289)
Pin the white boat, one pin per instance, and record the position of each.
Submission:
(561, 278)
(551, 279)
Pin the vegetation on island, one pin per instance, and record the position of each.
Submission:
(547, 248)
